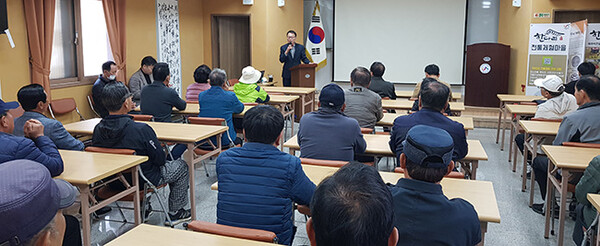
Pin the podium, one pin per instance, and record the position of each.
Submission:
(303, 75)
(486, 73)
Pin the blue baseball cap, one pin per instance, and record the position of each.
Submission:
(5, 106)
(29, 200)
(429, 147)
(332, 95)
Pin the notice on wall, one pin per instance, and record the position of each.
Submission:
(548, 52)
(169, 45)
(592, 44)
(576, 49)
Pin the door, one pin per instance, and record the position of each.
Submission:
(231, 43)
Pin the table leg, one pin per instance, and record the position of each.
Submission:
(84, 193)
(598, 233)
(189, 158)
(563, 204)
(532, 177)
(136, 195)
(483, 231)
(499, 121)
(474, 166)
(549, 197)
(524, 171)
(514, 120)
(303, 110)
(292, 117)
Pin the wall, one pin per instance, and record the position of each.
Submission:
(514, 30)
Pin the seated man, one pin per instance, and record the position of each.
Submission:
(141, 78)
(201, 83)
(579, 126)
(432, 101)
(431, 71)
(31, 206)
(247, 90)
(420, 206)
(378, 84)
(158, 99)
(352, 207)
(33, 100)
(586, 213)
(108, 76)
(34, 146)
(361, 103)
(328, 134)
(119, 131)
(423, 84)
(249, 198)
(585, 68)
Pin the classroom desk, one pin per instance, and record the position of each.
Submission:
(479, 193)
(595, 201)
(388, 120)
(187, 134)
(566, 160)
(151, 235)
(83, 169)
(506, 99)
(456, 107)
(377, 146)
(408, 94)
(517, 112)
(537, 131)
(287, 107)
(307, 97)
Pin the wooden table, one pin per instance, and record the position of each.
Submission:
(517, 112)
(377, 146)
(506, 99)
(457, 107)
(408, 94)
(187, 134)
(388, 120)
(307, 97)
(287, 107)
(535, 131)
(151, 235)
(83, 169)
(479, 193)
(566, 160)
(595, 201)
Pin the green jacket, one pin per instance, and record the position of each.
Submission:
(250, 93)
(589, 183)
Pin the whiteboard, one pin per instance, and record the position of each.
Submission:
(405, 35)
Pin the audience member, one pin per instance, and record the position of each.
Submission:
(247, 196)
(424, 84)
(586, 213)
(420, 206)
(201, 78)
(33, 99)
(585, 68)
(431, 71)
(433, 100)
(160, 99)
(109, 75)
(119, 131)
(352, 207)
(378, 84)
(247, 90)
(329, 134)
(578, 126)
(362, 104)
(141, 78)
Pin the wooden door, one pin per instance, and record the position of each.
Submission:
(231, 43)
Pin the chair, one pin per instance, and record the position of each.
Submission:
(210, 122)
(364, 130)
(528, 103)
(149, 188)
(90, 100)
(191, 101)
(232, 231)
(453, 174)
(546, 120)
(325, 163)
(142, 117)
(582, 145)
(64, 106)
(232, 82)
(250, 104)
(17, 112)
(385, 98)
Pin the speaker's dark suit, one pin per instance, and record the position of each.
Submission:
(289, 62)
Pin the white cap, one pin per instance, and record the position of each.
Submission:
(249, 75)
(551, 83)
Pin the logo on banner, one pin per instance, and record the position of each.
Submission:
(550, 35)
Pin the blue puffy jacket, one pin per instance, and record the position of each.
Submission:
(42, 150)
(257, 187)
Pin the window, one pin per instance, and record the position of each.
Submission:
(80, 43)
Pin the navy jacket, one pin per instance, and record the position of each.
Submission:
(330, 135)
(218, 103)
(121, 132)
(158, 100)
(433, 118)
(97, 95)
(258, 185)
(288, 61)
(42, 150)
(425, 216)
(382, 87)
(52, 128)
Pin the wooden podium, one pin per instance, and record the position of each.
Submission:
(486, 73)
(303, 75)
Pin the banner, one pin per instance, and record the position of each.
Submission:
(548, 52)
(167, 37)
(592, 45)
(316, 50)
(576, 49)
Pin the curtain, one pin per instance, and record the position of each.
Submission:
(114, 13)
(39, 19)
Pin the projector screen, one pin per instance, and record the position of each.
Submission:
(405, 35)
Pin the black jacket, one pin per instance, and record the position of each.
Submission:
(97, 95)
(121, 132)
(158, 100)
(382, 87)
(288, 61)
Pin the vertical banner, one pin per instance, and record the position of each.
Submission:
(592, 44)
(167, 23)
(576, 49)
(316, 50)
(548, 52)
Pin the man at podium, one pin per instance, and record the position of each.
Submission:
(291, 54)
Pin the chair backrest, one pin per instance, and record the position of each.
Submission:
(528, 103)
(453, 174)
(142, 117)
(325, 163)
(110, 151)
(385, 98)
(207, 121)
(232, 231)
(63, 106)
(17, 112)
(583, 145)
(276, 93)
(90, 100)
(232, 82)
(250, 104)
(366, 130)
(546, 120)
(192, 101)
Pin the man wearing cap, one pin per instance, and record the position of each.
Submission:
(291, 54)
(30, 206)
(422, 213)
(328, 134)
(579, 126)
(157, 98)
(34, 146)
(247, 90)
(362, 104)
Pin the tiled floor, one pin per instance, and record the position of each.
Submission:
(519, 226)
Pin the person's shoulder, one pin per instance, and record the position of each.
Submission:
(464, 208)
